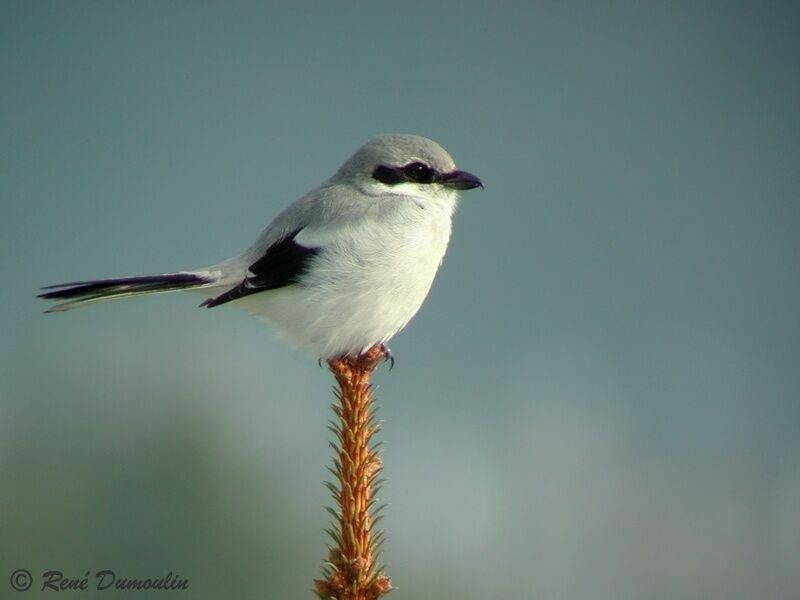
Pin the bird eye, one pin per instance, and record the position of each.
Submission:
(419, 172)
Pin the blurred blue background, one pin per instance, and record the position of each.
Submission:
(601, 396)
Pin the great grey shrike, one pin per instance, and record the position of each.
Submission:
(343, 268)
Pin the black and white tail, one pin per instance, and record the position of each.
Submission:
(80, 293)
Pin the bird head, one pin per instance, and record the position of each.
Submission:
(405, 165)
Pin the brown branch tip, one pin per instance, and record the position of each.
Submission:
(351, 571)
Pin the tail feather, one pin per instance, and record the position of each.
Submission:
(79, 293)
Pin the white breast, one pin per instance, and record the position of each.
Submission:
(365, 286)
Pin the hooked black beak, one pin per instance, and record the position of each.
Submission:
(460, 180)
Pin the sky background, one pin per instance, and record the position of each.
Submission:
(600, 397)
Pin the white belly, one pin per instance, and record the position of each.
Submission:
(363, 290)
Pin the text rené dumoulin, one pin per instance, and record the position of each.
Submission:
(109, 580)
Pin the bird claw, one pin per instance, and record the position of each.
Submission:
(371, 356)
(387, 355)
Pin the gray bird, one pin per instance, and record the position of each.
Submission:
(341, 269)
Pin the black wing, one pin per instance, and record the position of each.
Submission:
(282, 264)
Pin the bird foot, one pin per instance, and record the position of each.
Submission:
(368, 360)
(387, 355)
